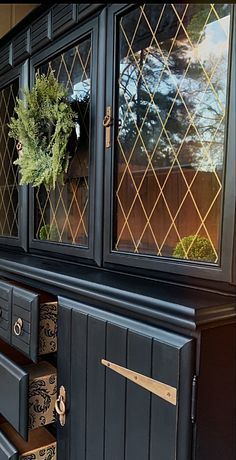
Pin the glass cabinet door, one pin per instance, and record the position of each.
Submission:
(61, 215)
(170, 94)
(9, 200)
(63, 218)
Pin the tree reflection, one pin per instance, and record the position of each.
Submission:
(172, 93)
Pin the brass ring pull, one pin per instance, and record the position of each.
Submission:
(18, 326)
(19, 146)
(107, 121)
(60, 406)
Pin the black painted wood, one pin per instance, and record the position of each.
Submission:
(25, 305)
(111, 416)
(64, 363)
(85, 10)
(63, 17)
(5, 58)
(216, 408)
(14, 395)
(5, 311)
(175, 307)
(165, 364)
(78, 380)
(139, 356)
(21, 47)
(7, 449)
(116, 387)
(95, 416)
(41, 32)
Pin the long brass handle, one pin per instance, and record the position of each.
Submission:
(107, 123)
(164, 391)
(60, 406)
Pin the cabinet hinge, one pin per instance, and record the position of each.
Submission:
(194, 399)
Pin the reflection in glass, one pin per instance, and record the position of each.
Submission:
(8, 171)
(61, 215)
(170, 136)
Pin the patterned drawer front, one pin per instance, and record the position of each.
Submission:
(34, 324)
(5, 310)
(27, 394)
(40, 446)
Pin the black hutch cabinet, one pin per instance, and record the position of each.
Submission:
(118, 287)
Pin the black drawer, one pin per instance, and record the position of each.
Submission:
(41, 444)
(5, 311)
(34, 324)
(27, 394)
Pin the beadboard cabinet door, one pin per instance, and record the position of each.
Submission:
(109, 415)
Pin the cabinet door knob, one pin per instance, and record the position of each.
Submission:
(60, 406)
(18, 326)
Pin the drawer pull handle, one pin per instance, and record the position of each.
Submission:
(60, 406)
(160, 389)
(18, 326)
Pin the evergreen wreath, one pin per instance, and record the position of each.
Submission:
(43, 126)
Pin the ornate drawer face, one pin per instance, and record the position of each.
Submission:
(5, 310)
(40, 446)
(34, 324)
(27, 394)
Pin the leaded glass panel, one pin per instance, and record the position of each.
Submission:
(170, 134)
(61, 215)
(8, 171)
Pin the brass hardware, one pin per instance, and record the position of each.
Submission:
(107, 123)
(18, 326)
(19, 146)
(156, 387)
(60, 406)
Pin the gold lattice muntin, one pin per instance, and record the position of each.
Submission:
(61, 215)
(170, 143)
(8, 171)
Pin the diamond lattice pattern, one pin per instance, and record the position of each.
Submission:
(8, 171)
(62, 214)
(171, 128)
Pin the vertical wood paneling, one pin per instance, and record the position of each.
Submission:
(95, 389)
(115, 394)
(64, 378)
(109, 417)
(78, 385)
(164, 423)
(138, 399)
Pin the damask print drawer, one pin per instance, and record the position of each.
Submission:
(40, 446)
(34, 323)
(27, 394)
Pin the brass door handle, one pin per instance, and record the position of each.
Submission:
(107, 123)
(18, 327)
(60, 406)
